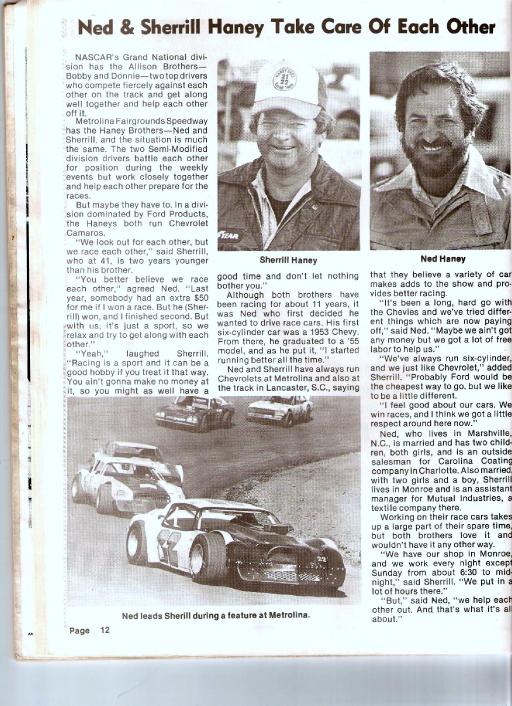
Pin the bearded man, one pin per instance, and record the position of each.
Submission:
(447, 198)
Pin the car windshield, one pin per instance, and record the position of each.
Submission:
(215, 517)
(281, 400)
(257, 519)
(169, 474)
(190, 401)
(134, 470)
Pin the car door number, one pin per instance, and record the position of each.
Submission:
(167, 541)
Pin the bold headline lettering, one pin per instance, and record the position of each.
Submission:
(280, 25)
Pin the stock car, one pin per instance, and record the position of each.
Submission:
(220, 541)
(199, 413)
(286, 411)
(127, 485)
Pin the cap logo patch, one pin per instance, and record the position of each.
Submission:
(285, 79)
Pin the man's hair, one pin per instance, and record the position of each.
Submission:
(449, 73)
(324, 123)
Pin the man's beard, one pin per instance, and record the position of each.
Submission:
(436, 166)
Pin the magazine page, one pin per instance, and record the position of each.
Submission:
(269, 330)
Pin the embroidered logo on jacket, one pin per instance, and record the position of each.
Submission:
(227, 236)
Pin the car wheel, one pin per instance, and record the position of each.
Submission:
(203, 424)
(136, 545)
(335, 568)
(208, 559)
(288, 420)
(77, 490)
(227, 420)
(104, 503)
(307, 416)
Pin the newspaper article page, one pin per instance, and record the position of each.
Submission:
(270, 328)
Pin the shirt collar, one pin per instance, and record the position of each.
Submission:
(479, 176)
(267, 219)
(259, 185)
(475, 175)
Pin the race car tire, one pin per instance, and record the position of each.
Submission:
(136, 545)
(287, 420)
(227, 420)
(159, 423)
(307, 416)
(104, 503)
(77, 490)
(203, 424)
(208, 562)
(336, 568)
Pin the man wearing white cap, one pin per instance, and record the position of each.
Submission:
(289, 198)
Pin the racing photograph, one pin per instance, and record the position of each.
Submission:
(211, 501)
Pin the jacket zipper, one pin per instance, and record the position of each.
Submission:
(292, 213)
(255, 210)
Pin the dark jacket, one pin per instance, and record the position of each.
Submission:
(325, 219)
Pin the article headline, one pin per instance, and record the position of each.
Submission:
(281, 25)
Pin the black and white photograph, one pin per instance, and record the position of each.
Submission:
(288, 155)
(270, 457)
(213, 501)
(440, 150)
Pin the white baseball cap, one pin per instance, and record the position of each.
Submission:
(285, 85)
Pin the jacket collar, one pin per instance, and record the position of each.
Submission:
(326, 184)
(476, 176)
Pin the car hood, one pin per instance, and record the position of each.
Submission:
(257, 535)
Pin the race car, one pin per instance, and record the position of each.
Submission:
(199, 413)
(220, 541)
(127, 485)
(286, 411)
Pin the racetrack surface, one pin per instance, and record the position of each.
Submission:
(98, 572)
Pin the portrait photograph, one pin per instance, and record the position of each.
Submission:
(289, 157)
(440, 150)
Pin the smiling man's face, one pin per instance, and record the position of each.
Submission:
(287, 143)
(434, 139)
